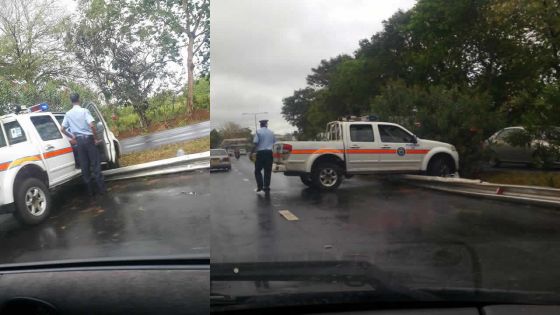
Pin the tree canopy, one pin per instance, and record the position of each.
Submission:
(453, 71)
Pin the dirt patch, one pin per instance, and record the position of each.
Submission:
(166, 151)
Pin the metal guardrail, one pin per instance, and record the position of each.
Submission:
(541, 196)
(179, 164)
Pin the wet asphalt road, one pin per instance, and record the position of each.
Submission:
(169, 136)
(167, 215)
(420, 237)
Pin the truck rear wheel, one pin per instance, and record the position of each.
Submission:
(33, 201)
(327, 176)
(307, 180)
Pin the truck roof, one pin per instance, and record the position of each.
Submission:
(12, 115)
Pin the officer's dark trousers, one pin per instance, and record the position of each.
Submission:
(89, 162)
(263, 161)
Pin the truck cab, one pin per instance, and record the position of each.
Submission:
(363, 147)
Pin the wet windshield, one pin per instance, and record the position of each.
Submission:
(408, 186)
(103, 105)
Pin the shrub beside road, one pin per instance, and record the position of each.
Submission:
(527, 177)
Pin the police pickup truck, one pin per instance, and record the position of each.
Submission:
(36, 158)
(362, 147)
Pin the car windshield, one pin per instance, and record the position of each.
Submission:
(104, 130)
(385, 182)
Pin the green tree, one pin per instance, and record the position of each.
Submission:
(31, 49)
(215, 139)
(124, 55)
(190, 21)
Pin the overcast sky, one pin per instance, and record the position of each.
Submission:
(262, 50)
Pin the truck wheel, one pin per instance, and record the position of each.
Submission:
(33, 201)
(307, 180)
(440, 166)
(327, 176)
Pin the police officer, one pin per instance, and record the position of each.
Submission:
(83, 134)
(264, 139)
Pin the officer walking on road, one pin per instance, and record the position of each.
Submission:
(264, 139)
(83, 132)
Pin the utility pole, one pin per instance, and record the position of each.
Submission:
(255, 116)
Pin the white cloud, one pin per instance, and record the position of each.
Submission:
(262, 50)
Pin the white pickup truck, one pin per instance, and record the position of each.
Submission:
(36, 158)
(362, 147)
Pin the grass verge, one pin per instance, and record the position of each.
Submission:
(166, 151)
(530, 178)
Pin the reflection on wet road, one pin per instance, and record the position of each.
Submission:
(147, 217)
(420, 236)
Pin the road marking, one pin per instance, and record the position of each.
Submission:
(288, 215)
(245, 179)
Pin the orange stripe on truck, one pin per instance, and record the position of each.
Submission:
(57, 152)
(352, 151)
(370, 151)
(317, 151)
(6, 165)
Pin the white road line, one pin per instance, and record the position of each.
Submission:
(245, 179)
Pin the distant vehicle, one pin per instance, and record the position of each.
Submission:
(219, 160)
(230, 152)
(501, 151)
(362, 147)
(36, 158)
(242, 151)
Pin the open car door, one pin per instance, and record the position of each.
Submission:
(106, 148)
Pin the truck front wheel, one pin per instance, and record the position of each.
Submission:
(441, 166)
(33, 201)
(327, 176)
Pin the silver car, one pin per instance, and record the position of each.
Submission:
(219, 160)
(501, 151)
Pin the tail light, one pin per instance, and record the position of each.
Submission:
(282, 151)
(286, 148)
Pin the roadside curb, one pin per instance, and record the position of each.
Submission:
(534, 195)
(174, 165)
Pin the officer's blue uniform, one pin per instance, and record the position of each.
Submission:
(264, 140)
(77, 121)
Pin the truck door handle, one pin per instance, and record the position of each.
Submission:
(49, 148)
(385, 147)
(354, 146)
